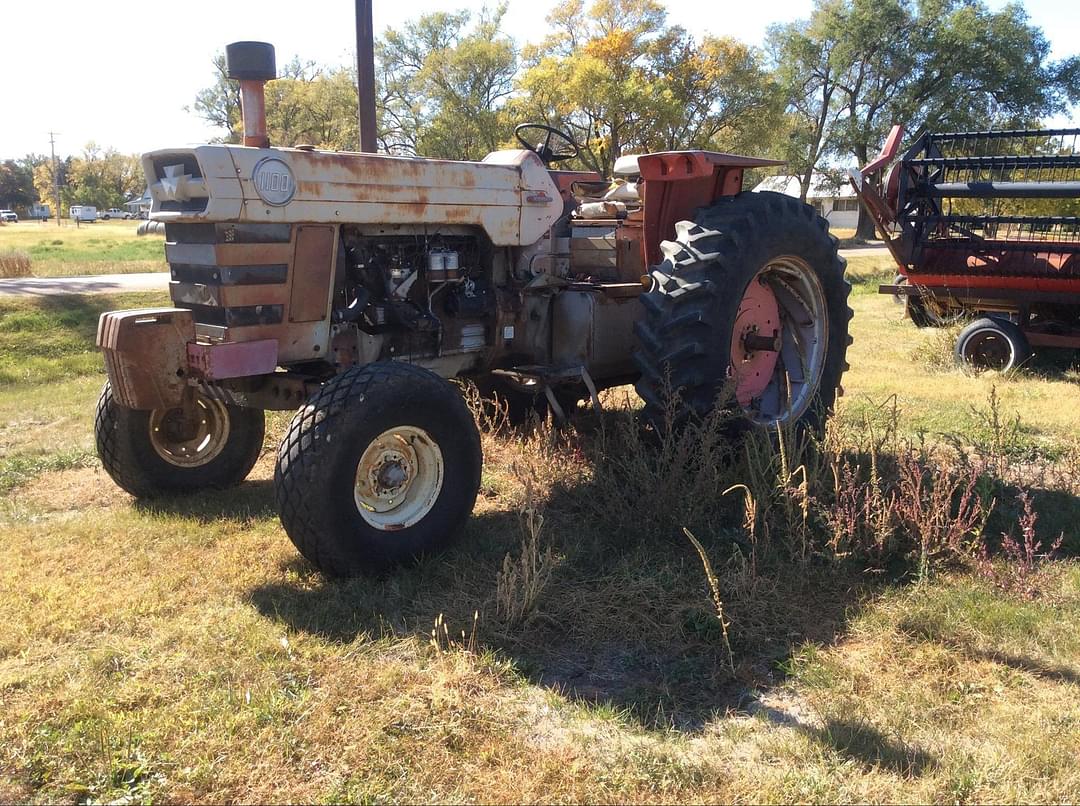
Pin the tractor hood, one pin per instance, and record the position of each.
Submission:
(509, 195)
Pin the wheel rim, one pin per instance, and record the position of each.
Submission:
(988, 349)
(398, 478)
(779, 340)
(190, 441)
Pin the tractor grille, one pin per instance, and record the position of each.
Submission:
(230, 275)
(178, 184)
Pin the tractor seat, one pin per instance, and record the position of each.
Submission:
(589, 190)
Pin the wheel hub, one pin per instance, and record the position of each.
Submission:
(989, 351)
(778, 341)
(190, 436)
(398, 478)
(392, 475)
(754, 351)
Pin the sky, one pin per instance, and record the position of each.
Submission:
(120, 74)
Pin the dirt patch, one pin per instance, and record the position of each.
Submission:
(79, 488)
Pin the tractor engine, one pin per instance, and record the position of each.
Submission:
(425, 296)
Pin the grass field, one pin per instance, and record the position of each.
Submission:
(181, 650)
(104, 247)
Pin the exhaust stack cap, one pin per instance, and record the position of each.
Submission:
(250, 61)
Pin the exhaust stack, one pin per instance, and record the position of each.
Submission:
(365, 76)
(252, 64)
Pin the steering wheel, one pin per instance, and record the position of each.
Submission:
(543, 148)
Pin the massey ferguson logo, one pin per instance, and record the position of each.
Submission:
(273, 181)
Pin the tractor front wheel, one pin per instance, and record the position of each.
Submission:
(750, 297)
(381, 467)
(153, 453)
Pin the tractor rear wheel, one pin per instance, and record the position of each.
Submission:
(751, 297)
(381, 467)
(153, 453)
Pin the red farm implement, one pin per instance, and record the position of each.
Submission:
(984, 225)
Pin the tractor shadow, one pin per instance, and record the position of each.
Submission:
(252, 500)
(872, 749)
(629, 626)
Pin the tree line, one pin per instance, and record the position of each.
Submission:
(616, 75)
(620, 79)
(101, 177)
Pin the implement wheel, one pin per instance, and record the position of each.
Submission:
(991, 344)
(153, 453)
(382, 466)
(752, 296)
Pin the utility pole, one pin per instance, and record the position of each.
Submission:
(55, 176)
(365, 75)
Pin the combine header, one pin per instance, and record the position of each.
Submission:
(987, 225)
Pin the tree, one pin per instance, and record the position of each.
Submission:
(931, 64)
(102, 178)
(17, 184)
(446, 85)
(43, 180)
(441, 85)
(219, 104)
(619, 79)
(595, 76)
(805, 65)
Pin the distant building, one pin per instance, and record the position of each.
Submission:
(838, 205)
(141, 206)
(41, 211)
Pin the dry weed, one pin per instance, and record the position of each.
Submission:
(714, 588)
(652, 483)
(941, 508)
(443, 643)
(522, 580)
(1022, 557)
(14, 264)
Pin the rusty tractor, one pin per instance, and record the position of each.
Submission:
(351, 287)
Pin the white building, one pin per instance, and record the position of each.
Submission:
(839, 206)
(140, 206)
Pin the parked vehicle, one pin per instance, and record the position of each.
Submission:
(352, 286)
(83, 213)
(114, 212)
(8, 216)
(983, 226)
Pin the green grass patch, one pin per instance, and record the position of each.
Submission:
(44, 339)
(106, 247)
(21, 468)
(867, 272)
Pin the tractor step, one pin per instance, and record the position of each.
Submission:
(536, 378)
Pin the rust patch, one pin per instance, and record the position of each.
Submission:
(630, 254)
(312, 266)
(252, 254)
(232, 359)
